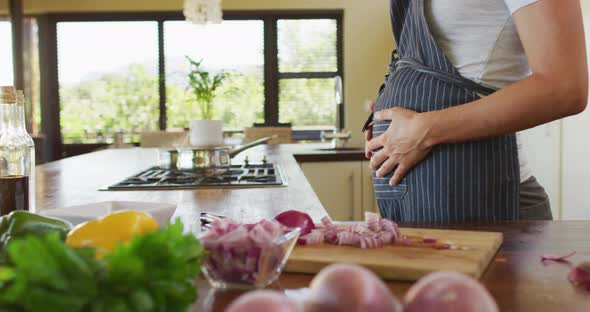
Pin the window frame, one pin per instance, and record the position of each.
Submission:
(6, 19)
(49, 64)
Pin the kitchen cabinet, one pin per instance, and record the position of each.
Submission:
(345, 188)
(369, 201)
(338, 185)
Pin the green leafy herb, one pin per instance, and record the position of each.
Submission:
(155, 272)
(204, 85)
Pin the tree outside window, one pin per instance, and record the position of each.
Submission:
(109, 81)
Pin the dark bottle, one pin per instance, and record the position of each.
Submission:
(14, 194)
(14, 156)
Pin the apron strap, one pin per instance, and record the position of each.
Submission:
(391, 69)
(444, 76)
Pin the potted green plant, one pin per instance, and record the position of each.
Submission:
(203, 87)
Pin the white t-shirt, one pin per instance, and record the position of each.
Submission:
(481, 40)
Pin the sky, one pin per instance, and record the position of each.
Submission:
(87, 49)
(5, 54)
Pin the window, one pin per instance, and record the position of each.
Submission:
(31, 74)
(233, 47)
(307, 46)
(307, 51)
(6, 74)
(30, 67)
(128, 72)
(108, 78)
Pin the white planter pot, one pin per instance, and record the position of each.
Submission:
(206, 132)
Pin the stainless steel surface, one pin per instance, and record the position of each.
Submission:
(207, 219)
(246, 146)
(213, 160)
(236, 176)
(168, 158)
(338, 139)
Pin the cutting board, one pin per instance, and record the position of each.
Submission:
(405, 263)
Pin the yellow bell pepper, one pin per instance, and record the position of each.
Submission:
(106, 232)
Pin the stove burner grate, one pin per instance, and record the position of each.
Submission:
(238, 176)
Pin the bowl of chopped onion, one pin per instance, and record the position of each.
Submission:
(246, 255)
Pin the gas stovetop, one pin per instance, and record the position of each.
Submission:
(238, 176)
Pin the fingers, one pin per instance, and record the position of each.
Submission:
(399, 174)
(374, 143)
(385, 114)
(372, 106)
(378, 159)
(367, 150)
(387, 167)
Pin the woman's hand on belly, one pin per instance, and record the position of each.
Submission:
(405, 143)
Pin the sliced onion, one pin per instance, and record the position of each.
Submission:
(242, 253)
(580, 276)
(293, 219)
(557, 258)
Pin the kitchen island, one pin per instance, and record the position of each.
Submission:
(516, 278)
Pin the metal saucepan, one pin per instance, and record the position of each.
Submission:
(212, 160)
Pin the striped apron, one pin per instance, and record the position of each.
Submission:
(465, 182)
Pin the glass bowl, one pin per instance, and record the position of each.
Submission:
(257, 267)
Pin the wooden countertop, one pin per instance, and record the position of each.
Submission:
(77, 180)
(516, 278)
(321, 153)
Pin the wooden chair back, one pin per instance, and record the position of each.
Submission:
(163, 138)
(284, 135)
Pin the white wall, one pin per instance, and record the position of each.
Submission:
(559, 156)
(576, 154)
(543, 152)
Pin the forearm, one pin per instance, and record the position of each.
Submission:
(523, 105)
(553, 38)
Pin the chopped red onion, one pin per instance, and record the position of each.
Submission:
(375, 232)
(580, 276)
(554, 258)
(314, 238)
(293, 219)
(241, 253)
(373, 221)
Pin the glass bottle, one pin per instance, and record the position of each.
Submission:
(28, 140)
(14, 156)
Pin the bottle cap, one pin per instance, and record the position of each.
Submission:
(7, 89)
(7, 95)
